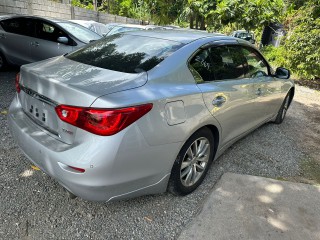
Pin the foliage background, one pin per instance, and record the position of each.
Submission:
(299, 50)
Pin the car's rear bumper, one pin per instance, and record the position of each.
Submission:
(119, 166)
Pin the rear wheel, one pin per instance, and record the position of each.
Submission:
(3, 62)
(192, 163)
(283, 110)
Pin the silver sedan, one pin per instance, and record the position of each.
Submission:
(26, 39)
(142, 112)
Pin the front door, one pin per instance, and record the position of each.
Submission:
(46, 44)
(267, 89)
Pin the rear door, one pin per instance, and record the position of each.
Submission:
(228, 95)
(46, 45)
(16, 38)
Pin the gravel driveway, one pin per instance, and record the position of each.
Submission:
(33, 206)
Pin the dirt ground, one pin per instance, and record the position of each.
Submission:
(306, 122)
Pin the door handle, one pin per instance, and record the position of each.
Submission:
(218, 101)
(2, 36)
(36, 44)
(259, 92)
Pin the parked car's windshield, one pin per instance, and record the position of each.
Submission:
(83, 34)
(120, 29)
(125, 53)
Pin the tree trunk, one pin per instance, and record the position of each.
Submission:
(203, 24)
(197, 21)
(95, 5)
(191, 21)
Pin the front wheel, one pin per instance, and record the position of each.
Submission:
(192, 163)
(283, 110)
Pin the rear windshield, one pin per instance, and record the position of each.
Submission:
(125, 53)
(119, 29)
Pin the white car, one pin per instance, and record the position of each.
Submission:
(96, 27)
(132, 27)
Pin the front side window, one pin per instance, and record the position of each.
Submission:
(126, 53)
(257, 67)
(47, 31)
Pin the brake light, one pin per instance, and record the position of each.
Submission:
(17, 83)
(104, 122)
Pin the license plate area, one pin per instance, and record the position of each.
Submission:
(40, 112)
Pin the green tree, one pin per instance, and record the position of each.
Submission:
(303, 41)
(248, 14)
(196, 12)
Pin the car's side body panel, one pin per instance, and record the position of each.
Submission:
(137, 160)
(28, 45)
(16, 48)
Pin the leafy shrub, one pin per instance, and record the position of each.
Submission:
(301, 51)
(275, 56)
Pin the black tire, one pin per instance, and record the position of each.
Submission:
(198, 166)
(3, 62)
(283, 110)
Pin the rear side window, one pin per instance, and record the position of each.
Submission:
(126, 53)
(19, 26)
(202, 64)
(228, 62)
(219, 63)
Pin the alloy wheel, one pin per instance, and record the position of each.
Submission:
(195, 161)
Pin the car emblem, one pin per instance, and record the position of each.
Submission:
(67, 131)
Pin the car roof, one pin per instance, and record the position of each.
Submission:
(34, 17)
(183, 36)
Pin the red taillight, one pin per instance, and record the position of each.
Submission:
(104, 122)
(17, 83)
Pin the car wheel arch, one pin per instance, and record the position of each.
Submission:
(4, 59)
(215, 132)
(291, 94)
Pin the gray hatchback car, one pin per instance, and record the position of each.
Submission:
(142, 112)
(26, 39)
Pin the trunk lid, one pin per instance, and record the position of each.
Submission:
(59, 80)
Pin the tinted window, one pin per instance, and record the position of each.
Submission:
(49, 32)
(125, 53)
(21, 26)
(257, 67)
(228, 62)
(201, 63)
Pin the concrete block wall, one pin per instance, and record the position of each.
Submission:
(46, 8)
(84, 14)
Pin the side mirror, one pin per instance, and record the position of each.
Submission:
(63, 40)
(282, 73)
